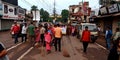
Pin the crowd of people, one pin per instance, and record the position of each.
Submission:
(38, 34)
(45, 34)
(48, 35)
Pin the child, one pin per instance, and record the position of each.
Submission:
(48, 39)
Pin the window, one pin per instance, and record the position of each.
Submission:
(5, 9)
(72, 10)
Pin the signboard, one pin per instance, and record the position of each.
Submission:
(21, 11)
(76, 10)
(9, 12)
(103, 10)
(119, 6)
(113, 8)
(36, 15)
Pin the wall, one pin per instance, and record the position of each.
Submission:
(14, 2)
(115, 23)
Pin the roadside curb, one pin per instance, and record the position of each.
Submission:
(100, 46)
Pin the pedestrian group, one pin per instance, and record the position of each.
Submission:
(49, 35)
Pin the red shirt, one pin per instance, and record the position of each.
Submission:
(16, 29)
(86, 36)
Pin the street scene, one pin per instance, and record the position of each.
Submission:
(59, 30)
(18, 51)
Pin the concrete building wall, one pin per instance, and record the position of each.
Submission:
(115, 22)
(115, 25)
(101, 25)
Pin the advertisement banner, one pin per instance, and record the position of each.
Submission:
(113, 8)
(36, 15)
(21, 11)
(119, 6)
(9, 12)
(103, 10)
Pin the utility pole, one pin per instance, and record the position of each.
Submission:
(84, 12)
(54, 10)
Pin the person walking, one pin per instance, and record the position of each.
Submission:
(24, 32)
(58, 36)
(69, 30)
(85, 38)
(31, 32)
(73, 30)
(42, 31)
(116, 35)
(3, 52)
(108, 36)
(37, 34)
(115, 50)
(15, 30)
(48, 38)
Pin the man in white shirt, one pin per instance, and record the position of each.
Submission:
(24, 32)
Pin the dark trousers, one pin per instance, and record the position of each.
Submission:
(85, 45)
(113, 55)
(24, 37)
(57, 44)
(16, 38)
(42, 39)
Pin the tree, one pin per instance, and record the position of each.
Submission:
(34, 8)
(44, 15)
(65, 15)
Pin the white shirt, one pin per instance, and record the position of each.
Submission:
(24, 30)
(63, 30)
(106, 33)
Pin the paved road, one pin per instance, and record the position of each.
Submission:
(24, 51)
(74, 48)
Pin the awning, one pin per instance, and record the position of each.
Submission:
(113, 15)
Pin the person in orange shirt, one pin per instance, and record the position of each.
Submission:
(58, 36)
(85, 38)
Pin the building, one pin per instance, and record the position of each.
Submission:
(9, 13)
(79, 13)
(108, 17)
(13, 2)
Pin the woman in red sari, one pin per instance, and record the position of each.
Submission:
(48, 38)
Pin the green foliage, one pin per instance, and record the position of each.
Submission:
(65, 15)
(50, 19)
(44, 14)
(34, 8)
